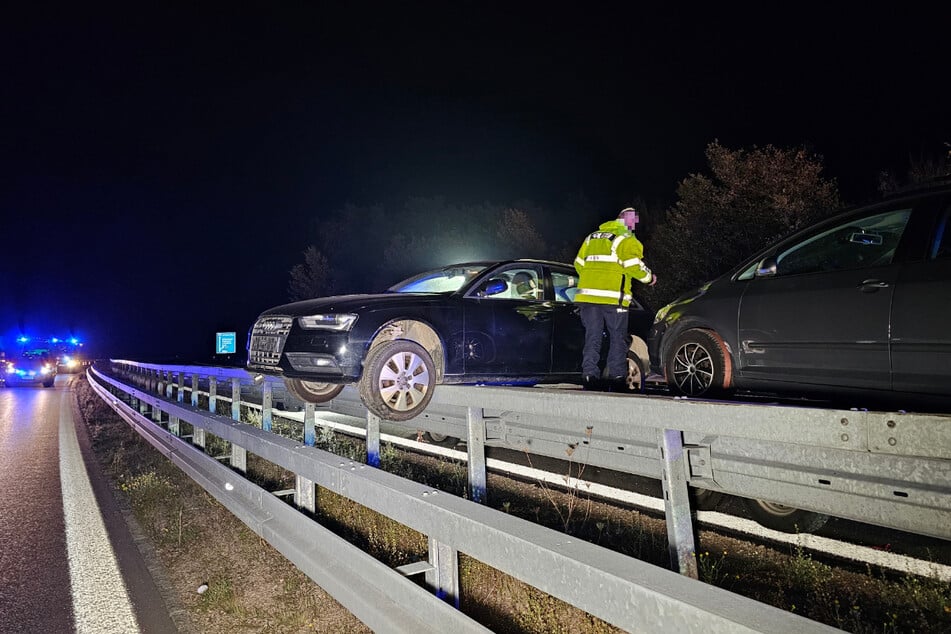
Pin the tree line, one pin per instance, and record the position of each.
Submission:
(747, 199)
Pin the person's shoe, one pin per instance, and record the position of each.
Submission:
(618, 384)
(591, 383)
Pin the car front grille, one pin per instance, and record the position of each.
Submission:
(267, 340)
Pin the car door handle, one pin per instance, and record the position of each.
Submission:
(870, 286)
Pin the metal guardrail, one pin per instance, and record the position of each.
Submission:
(625, 592)
(886, 468)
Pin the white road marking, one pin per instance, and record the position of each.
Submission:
(100, 600)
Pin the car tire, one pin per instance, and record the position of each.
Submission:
(312, 391)
(398, 380)
(784, 518)
(636, 372)
(441, 440)
(705, 499)
(49, 383)
(697, 365)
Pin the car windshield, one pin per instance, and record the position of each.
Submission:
(445, 280)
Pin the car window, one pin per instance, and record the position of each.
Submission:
(859, 243)
(522, 284)
(566, 286)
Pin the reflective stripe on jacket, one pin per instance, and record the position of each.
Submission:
(606, 263)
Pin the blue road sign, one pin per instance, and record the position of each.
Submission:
(225, 342)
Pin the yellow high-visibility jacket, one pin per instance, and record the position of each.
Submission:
(606, 263)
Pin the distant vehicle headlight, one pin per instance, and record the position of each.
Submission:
(329, 321)
(11, 369)
(72, 363)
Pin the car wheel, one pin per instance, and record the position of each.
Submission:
(49, 383)
(442, 440)
(398, 380)
(696, 364)
(312, 391)
(635, 373)
(705, 499)
(785, 518)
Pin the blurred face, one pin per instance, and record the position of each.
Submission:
(630, 219)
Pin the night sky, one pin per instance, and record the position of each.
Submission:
(162, 166)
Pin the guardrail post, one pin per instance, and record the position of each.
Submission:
(198, 434)
(310, 432)
(373, 439)
(475, 446)
(156, 415)
(198, 437)
(236, 399)
(305, 494)
(213, 394)
(173, 425)
(680, 536)
(239, 455)
(169, 384)
(181, 387)
(444, 576)
(267, 406)
(194, 390)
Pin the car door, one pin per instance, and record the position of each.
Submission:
(508, 324)
(819, 312)
(921, 326)
(568, 335)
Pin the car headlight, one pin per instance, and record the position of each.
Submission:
(45, 369)
(661, 314)
(683, 300)
(10, 368)
(329, 321)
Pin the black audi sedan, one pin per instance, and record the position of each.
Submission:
(500, 322)
(859, 304)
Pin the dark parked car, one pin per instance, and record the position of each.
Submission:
(508, 322)
(859, 304)
(30, 369)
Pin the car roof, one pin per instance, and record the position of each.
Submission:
(939, 185)
(488, 263)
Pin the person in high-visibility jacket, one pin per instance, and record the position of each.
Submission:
(609, 260)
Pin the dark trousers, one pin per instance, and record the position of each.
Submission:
(598, 319)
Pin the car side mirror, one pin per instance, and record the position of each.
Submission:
(766, 268)
(493, 286)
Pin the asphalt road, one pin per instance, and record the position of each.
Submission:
(67, 560)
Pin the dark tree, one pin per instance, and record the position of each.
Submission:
(313, 278)
(364, 249)
(518, 236)
(749, 200)
(922, 169)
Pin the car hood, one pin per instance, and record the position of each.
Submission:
(355, 303)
